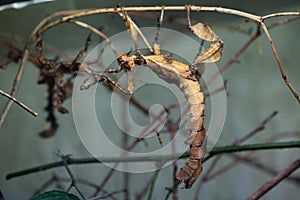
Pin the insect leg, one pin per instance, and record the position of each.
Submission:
(133, 29)
(130, 86)
(113, 85)
(112, 70)
(214, 52)
(84, 50)
(39, 49)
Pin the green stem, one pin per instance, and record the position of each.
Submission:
(153, 184)
(214, 151)
(252, 147)
(65, 163)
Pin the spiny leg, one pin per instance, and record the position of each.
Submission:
(133, 29)
(213, 53)
(204, 32)
(84, 50)
(39, 49)
(113, 85)
(95, 77)
(130, 86)
(198, 68)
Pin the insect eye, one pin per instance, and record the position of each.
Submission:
(192, 72)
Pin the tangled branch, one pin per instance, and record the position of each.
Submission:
(69, 16)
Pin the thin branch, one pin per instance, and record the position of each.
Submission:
(129, 148)
(213, 152)
(73, 180)
(95, 30)
(260, 127)
(105, 180)
(280, 15)
(275, 180)
(105, 196)
(19, 103)
(87, 183)
(283, 74)
(234, 58)
(45, 185)
(253, 162)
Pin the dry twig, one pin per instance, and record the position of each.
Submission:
(275, 180)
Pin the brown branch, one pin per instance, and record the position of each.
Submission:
(283, 74)
(260, 166)
(19, 103)
(260, 127)
(275, 180)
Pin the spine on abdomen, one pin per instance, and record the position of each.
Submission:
(197, 134)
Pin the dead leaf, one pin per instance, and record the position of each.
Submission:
(212, 54)
(204, 32)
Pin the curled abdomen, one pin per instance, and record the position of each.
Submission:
(197, 134)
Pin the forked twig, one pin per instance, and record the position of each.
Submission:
(65, 159)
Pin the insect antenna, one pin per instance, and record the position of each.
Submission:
(82, 53)
(129, 52)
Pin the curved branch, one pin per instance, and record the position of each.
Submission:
(69, 15)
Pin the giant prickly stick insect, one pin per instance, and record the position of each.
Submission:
(185, 77)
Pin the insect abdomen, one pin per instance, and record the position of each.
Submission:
(178, 73)
(195, 100)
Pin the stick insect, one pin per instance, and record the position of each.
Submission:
(185, 77)
(52, 72)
